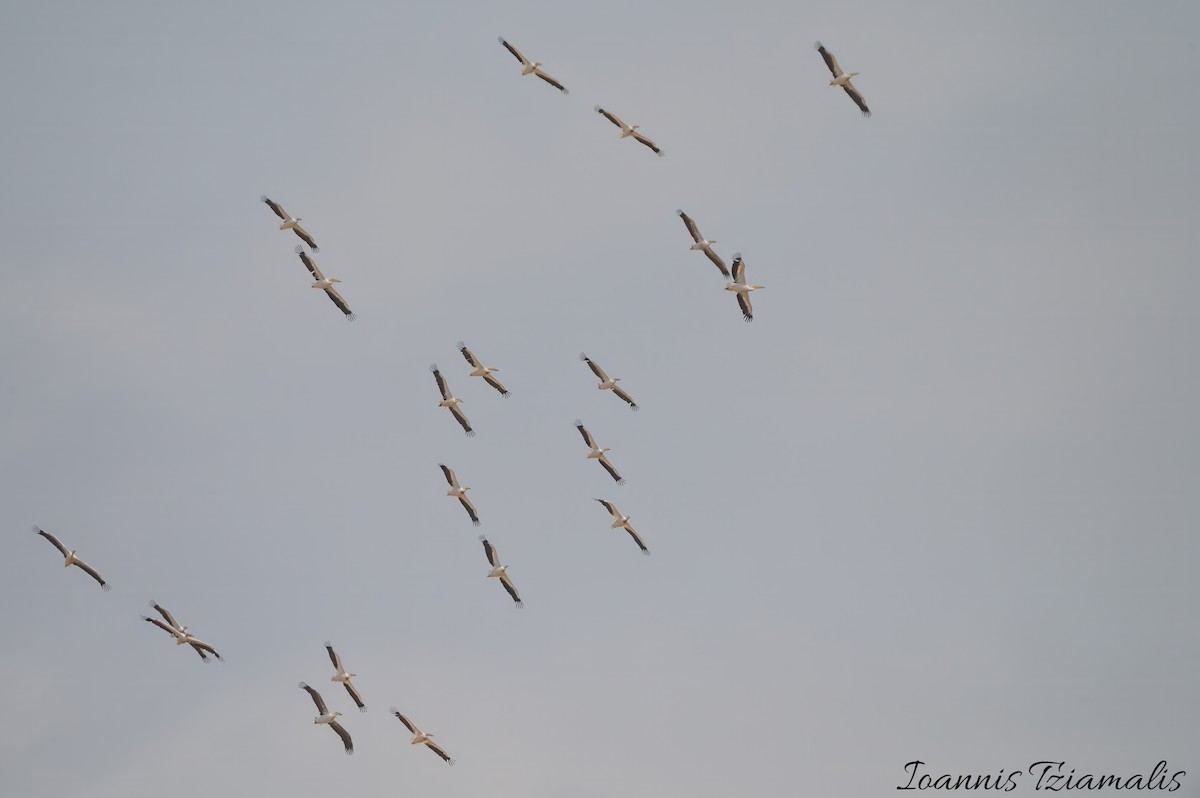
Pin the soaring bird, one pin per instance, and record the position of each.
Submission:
(325, 283)
(842, 79)
(500, 571)
(70, 558)
(703, 244)
(621, 521)
(328, 718)
(629, 130)
(422, 738)
(607, 383)
(451, 402)
(742, 288)
(480, 370)
(531, 67)
(290, 223)
(343, 677)
(597, 453)
(459, 492)
(180, 633)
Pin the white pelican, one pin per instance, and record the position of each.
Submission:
(329, 718)
(703, 244)
(70, 558)
(420, 737)
(607, 383)
(842, 79)
(459, 492)
(622, 522)
(325, 283)
(481, 370)
(629, 130)
(343, 677)
(180, 633)
(597, 453)
(500, 571)
(450, 401)
(531, 67)
(290, 223)
(742, 288)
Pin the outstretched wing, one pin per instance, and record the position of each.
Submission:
(200, 645)
(90, 571)
(495, 383)
(200, 651)
(275, 206)
(345, 735)
(747, 308)
(525, 61)
(407, 723)
(551, 81)
(306, 238)
(611, 471)
(492, 558)
(470, 508)
(316, 697)
(612, 508)
(610, 117)
(441, 381)
(858, 99)
(469, 355)
(167, 616)
(462, 420)
(334, 658)
(646, 140)
(587, 436)
(739, 268)
(621, 393)
(691, 226)
(715, 258)
(53, 540)
(437, 749)
(353, 691)
(307, 260)
(512, 590)
(160, 625)
(341, 303)
(830, 61)
(450, 477)
(599, 372)
(637, 539)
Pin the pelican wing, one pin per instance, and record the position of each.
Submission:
(512, 590)
(160, 625)
(441, 381)
(524, 61)
(495, 383)
(469, 355)
(462, 420)
(275, 206)
(492, 557)
(450, 476)
(53, 541)
(551, 81)
(637, 540)
(691, 226)
(345, 735)
(612, 471)
(470, 508)
(599, 372)
(612, 508)
(408, 724)
(90, 571)
(340, 302)
(646, 140)
(353, 691)
(739, 268)
(587, 436)
(200, 645)
(200, 651)
(167, 616)
(830, 61)
(858, 99)
(316, 697)
(307, 260)
(437, 749)
(334, 658)
(715, 258)
(626, 397)
(306, 238)
(611, 118)
(747, 308)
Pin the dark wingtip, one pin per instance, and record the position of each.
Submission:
(566, 90)
(634, 408)
(263, 198)
(582, 357)
(106, 587)
(500, 39)
(578, 423)
(646, 552)
(393, 710)
(299, 250)
(433, 367)
(470, 433)
(302, 686)
(483, 538)
(316, 249)
(349, 751)
(598, 109)
(520, 605)
(328, 644)
(476, 522)
(351, 316)
(660, 154)
(620, 481)
(747, 319)
(817, 45)
(362, 710)
(37, 530)
(737, 256)
(461, 346)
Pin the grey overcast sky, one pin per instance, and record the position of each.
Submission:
(937, 502)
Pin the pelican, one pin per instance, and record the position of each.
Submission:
(629, 130)
(607, 383)
(459, 492)
(531, 67)
(703, 244)
(329, 718)
(450, 401)
(325, 283)
(290, 223)
(343, 677)
(481, 370)
(70, 558)
(420, 737)
(842, 79)
(180, 633)
(621, 521)
(500, 571)
(597, 453)
(742, 288)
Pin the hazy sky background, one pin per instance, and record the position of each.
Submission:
(938, 501)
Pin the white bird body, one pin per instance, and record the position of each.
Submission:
(597, 453)
(327, 717)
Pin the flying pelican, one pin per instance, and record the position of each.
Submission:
(842, 79)
(459, 492)
(325, 283)
(450, 401)
(481, 370)
(622, 522)
(290, 223)
(420, 737)
(500, 571)
(70, 558)
(629, 130)
(329, 718)
(180, 633)
(597, 453)
(343, 677)
(531, 67)
(703, 244)
(743, 289)
(607, 384)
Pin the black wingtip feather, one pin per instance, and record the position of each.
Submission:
(433, 367)
(634, 408)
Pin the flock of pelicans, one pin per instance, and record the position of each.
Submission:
(736, 283)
